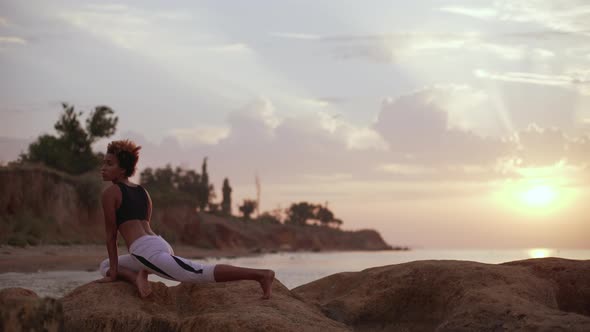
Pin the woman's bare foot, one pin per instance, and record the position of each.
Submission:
(266, 283)
(142, 283)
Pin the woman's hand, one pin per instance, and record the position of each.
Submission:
(111, 276)
(106, 279)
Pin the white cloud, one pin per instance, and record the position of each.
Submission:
(579, 80)
(365, 139)
(315, 103)
(3, 21)
(400, 47)
(543, 53)
(295, 35)
(327, 177)
(568, 16)
(405, 169)
(124, 27)
(482, 12)
(108, 7)
(12, 40)
(230, 48)
(208, 135)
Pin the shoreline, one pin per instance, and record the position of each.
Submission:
(87, 257)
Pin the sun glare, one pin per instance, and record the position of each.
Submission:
(534, 197)
(539, 196)
(540, 253)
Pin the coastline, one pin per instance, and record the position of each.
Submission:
(87, 257)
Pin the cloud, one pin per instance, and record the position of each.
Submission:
(302, 36)
(396, 47)
(577, 80)
(571, 16)
(482, 13)
(3, 21)
(420, 146)
(417, 127)
(541, 146)
(230, 48)
(208, 135)
(12, 40)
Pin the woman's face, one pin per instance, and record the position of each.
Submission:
(110, 169)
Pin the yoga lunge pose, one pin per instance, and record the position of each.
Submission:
(127, 210)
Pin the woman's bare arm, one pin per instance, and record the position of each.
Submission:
(109, 205)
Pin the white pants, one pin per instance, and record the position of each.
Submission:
(153, 253)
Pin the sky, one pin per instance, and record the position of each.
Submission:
(440, 124)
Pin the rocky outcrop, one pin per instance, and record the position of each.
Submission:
(548, 294)
(232, 306)
(22, 310)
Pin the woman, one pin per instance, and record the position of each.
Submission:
(128, 209)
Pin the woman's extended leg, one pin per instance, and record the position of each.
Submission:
(181, 269)
(265, 278)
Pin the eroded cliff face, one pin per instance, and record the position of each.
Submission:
(39, 205)
(48, 206)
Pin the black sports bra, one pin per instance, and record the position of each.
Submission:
(134, 204)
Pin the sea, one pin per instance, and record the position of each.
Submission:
(297, 268)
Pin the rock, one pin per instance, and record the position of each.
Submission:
(548, 294)
(22, 310)
(231, 306)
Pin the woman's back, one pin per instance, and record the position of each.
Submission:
(133, 209)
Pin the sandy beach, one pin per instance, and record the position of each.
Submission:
(85, 257)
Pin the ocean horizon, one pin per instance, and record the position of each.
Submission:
(294, 269)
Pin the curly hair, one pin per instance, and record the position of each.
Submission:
(127, 153)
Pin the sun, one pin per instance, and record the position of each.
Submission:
(539, 196)
(534, 198)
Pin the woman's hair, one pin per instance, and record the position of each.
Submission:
(127, 154)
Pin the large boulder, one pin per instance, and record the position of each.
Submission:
(231, 306)
(549, 294)
(22, 310)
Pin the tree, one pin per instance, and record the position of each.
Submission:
(206, 191)
(100, 123)
(71, 150)
(324, 215)
(247, 208)
(337, 222)
(299, 213)
(226, 202)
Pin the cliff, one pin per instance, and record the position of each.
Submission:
(40, 205)
(549, 294)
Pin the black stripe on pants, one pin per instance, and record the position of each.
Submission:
(151, 266)
(186, 266)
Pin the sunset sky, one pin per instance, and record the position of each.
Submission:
(441, 124)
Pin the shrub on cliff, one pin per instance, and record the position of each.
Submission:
(303, 212)
(178, 186)
(248, 207)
